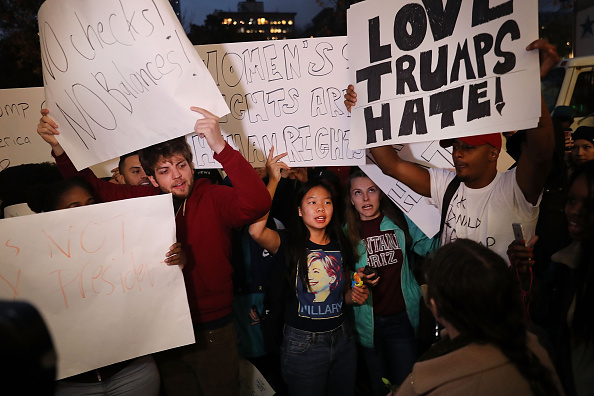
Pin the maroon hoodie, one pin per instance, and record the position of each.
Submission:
(204, 224)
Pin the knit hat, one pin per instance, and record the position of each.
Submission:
(494, 139)
(584, 132)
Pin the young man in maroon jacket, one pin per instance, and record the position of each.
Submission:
(205, 216)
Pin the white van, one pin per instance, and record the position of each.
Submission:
(571, 83)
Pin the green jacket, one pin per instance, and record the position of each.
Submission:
(422, 245)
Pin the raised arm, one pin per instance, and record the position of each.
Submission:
(208, 128)
(248, 199)
(535, 160)
(264, 236)
(105, 191)
(48, 129)
(388, 160)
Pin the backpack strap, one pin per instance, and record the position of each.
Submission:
(447, 198)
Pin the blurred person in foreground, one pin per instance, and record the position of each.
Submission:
(485, 347)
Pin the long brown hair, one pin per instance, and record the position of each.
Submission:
(387, 207)
(474, 290)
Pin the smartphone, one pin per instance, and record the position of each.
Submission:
(370, 271)
(518, 231)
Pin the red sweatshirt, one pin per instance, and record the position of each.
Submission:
(204, 224)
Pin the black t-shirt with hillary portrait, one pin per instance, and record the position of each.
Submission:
(319, 307)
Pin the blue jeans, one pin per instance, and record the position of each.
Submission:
(139, 378)
(394, 351)
(319, 364)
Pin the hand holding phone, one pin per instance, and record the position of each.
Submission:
(520, 251)
(518, 232)
(370, 272)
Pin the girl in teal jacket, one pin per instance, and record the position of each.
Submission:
(388, 320)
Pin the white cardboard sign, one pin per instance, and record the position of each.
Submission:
(252, 382)
(19, 115)
(287, 94)
(19, 142)
(429, 70)
(97, 276)
(120, 76)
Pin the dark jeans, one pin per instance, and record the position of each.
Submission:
(319, 364)
(394, 352)
(210, 367)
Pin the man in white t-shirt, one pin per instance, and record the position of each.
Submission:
(483, 213)
(486, 202)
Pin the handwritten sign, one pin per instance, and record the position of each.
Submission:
(119, 76)
(252, 382)
(97, 276)
(287, 94)
(426, 70)
(19, 142)
(19, 115)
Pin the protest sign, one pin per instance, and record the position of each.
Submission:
(251, 381)
(120, 76)
(429, 70)
(287, 94)
(19, 142)
(97, 276)
(19, 115)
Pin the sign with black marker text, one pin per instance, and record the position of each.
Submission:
(287, 94)
(120, 76)
(433, 69)
(19, 115)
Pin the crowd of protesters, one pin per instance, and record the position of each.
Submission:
(328, 288)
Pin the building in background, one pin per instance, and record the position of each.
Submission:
(252, 23)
